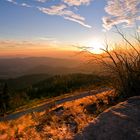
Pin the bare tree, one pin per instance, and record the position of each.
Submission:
(122, 64)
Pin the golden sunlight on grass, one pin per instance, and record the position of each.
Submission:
(59, 123)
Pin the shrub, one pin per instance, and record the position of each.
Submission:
(123, 65)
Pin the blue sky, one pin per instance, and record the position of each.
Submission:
(65, 21)
(18, 22)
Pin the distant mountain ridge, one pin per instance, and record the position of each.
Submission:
(14, 67)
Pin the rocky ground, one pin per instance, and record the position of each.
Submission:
(62, 122)
(87, 118)
(120, 122)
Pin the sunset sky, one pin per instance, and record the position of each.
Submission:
(28, 26)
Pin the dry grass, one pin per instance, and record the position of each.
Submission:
(53, 124)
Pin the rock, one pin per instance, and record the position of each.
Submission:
(81, 104)
(100, 102)
(39, 127)
(70, 121)
(135, 100)
(120, 122)
(91, 108)
(58, 111)
(110, 100)
(61, 108)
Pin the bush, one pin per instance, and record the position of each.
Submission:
(123, 65)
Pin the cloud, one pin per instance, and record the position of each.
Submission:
(124, 12)
(13, 43)
(71, 2)
(40, 42)
(22, 4)
(53, 10)
(138, 30)
(78, 21)
(77, 2)
(61, 10)
(47, 38)
(42, 1)
(12, 1)
(25, 5)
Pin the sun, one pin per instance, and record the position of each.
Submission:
(95, 46)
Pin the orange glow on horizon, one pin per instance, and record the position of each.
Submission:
(38, 49)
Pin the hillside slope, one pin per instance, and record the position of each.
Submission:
(61, 121)
(121, 122)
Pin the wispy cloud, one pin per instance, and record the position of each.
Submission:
(42, 1)
(13, 43)
(20, 4)
(12, 1)
(53, 10)
(77, 2)
(71, 2)
(47, 38)
(124, 12)
(78, 21)
(61, 10)
(26, 5)
(138, 30)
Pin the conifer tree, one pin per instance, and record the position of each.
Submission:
(4, 99)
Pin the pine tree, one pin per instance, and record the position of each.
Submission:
(4, 99)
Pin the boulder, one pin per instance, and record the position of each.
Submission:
(120, 122)
(91, 108)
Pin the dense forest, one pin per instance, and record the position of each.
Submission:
(43, 86)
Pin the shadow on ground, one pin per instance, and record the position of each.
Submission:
(121, 122)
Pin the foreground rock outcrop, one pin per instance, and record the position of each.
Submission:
(120, 122)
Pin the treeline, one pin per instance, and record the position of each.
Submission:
(50, 87)
(60, 84)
